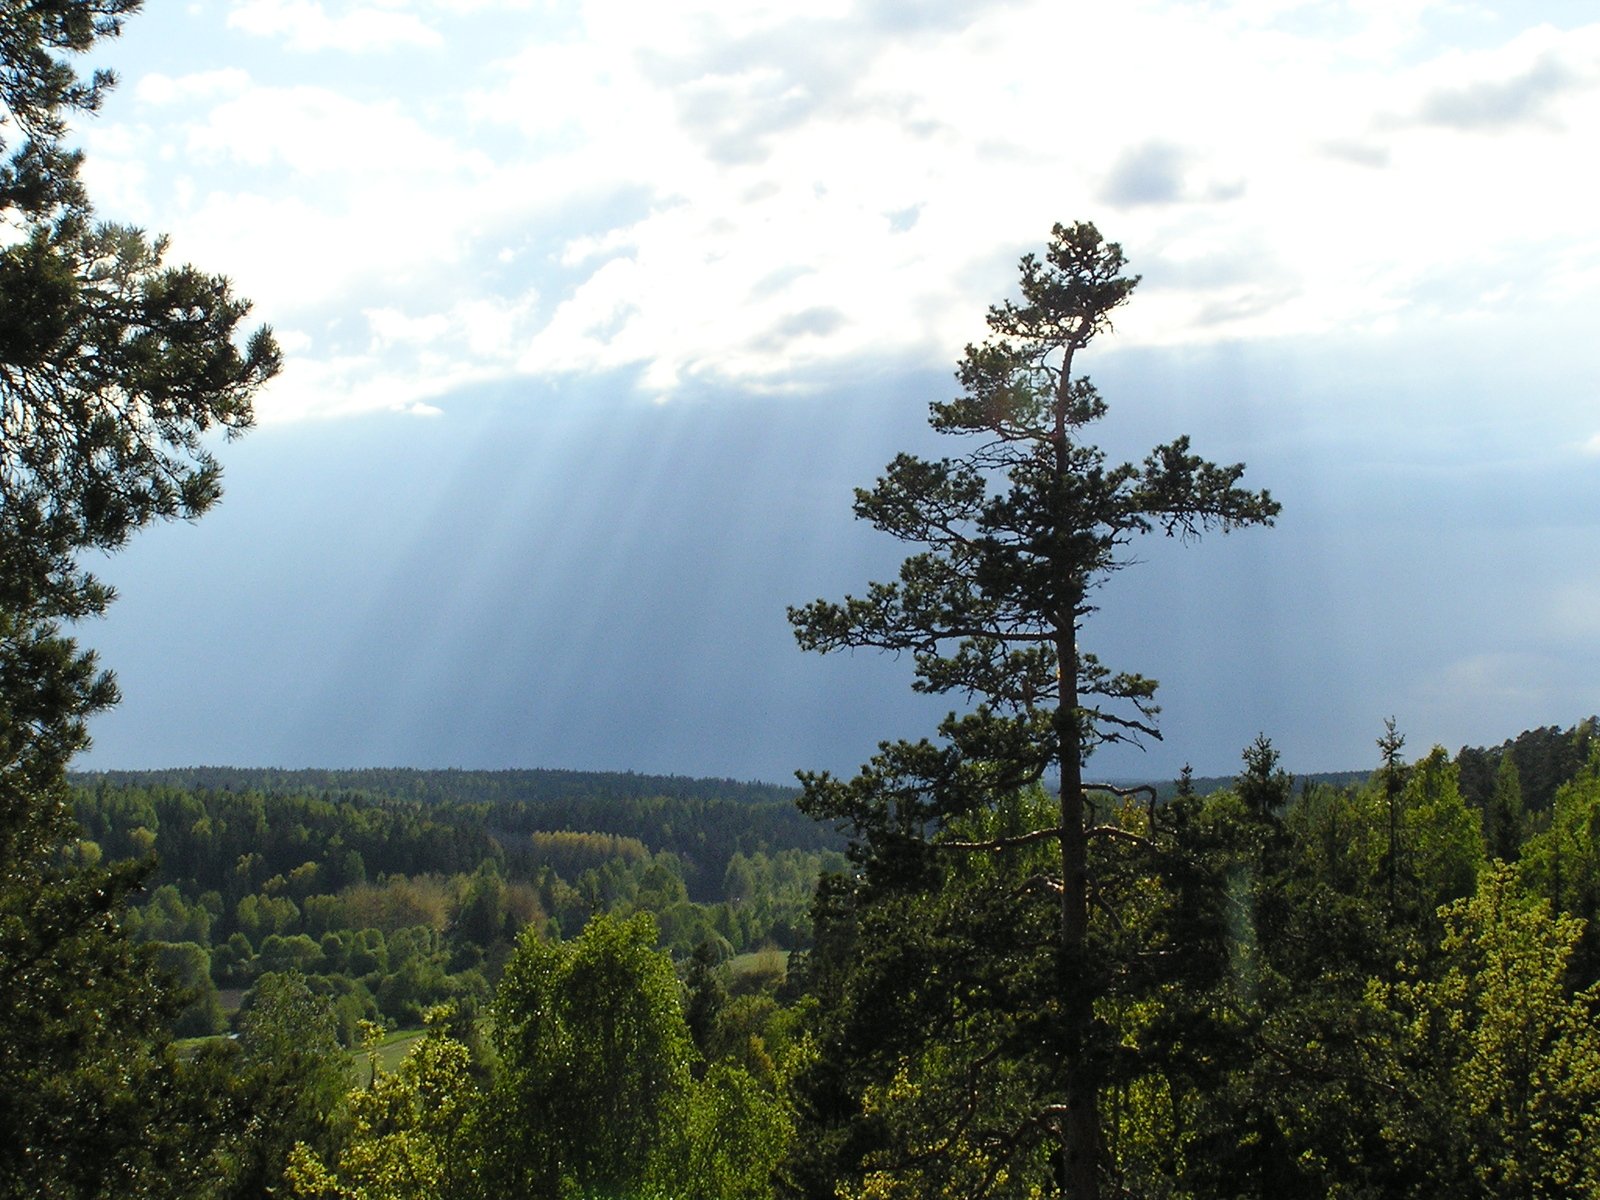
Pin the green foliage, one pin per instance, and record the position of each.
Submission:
(1441, 846)
(188, 967)
(242, 875)
(1562, 863)
(80, 1011)
(419, 821)
(570, 853)
(1545, 759)
(707, 994)
(1350, 1049)
(411, 1133)
(81, 1016)
(286, 1082)
(1498, 1060)
(930, 995)
(595, 1060)
(736, 1133)
(1504, 815)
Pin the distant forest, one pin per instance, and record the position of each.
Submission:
(395, 890)
(392, 903)
(531, 787)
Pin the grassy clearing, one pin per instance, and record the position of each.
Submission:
(188, 1048)
(396, 1044)
(758, 960)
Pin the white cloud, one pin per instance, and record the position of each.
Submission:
(1520, 689)
(344, 385)
(418, 408)
(305, 25)
(318, 131)
(738, 194)
(294, 342)
(390, 327)
(157, 88)
(1529, 82)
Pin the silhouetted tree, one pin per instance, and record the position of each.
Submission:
(1017, 532)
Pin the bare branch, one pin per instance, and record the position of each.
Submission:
(1037, 883)
(1141, 789)
(1005, 843)
(1116, 833)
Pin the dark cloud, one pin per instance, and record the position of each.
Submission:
(569, 577)
(736, 94)
(1499, 104)
(1148, 174)
(1159, 172)
(1238, 308)
(735, 117)
(769, 285)
(815, 322)
(810, 322)
(900, 19)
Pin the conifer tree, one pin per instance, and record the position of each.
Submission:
(1016, 533)
(1504, 819)
(113, 367)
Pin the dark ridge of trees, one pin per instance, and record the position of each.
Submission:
(1204, 785)
(1545, 759)
(205, 832)
(535, 786)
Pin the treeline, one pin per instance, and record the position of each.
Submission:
(1314, 991)
(1387, 990)
(411, 821)
(1544, 758)
(535, 786)
(388, 907)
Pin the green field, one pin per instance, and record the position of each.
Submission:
(393, 1047)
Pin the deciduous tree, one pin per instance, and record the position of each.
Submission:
(595, 1059)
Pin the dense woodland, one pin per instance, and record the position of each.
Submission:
(968, 971)
(390, 906)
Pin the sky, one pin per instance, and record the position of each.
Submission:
(594, 313)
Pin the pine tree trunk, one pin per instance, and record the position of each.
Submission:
(1080, 1128)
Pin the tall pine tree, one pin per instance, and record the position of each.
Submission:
(1016, 533)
